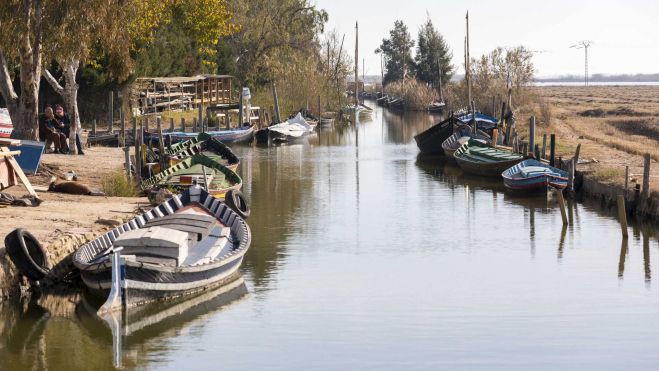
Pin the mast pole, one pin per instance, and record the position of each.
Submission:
(356, 64)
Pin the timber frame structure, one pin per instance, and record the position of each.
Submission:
(156, 94)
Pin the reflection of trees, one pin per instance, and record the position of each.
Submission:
(279, 179)
(402, 127)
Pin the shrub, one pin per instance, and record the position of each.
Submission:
(116, 185)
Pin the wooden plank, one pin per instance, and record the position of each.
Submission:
(10, 142)
(19, 172)
(10, 153)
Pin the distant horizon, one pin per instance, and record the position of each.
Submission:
(620, 32)
(598, 77)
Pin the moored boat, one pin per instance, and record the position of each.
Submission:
(206, 145)
(476, 157)
(430, 141)
(530, 176)
(461, 136)
(243, 134)
(186, 244)
(198, 169)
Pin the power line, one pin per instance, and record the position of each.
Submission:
(584, 44)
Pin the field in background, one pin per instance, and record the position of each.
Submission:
(615, 124)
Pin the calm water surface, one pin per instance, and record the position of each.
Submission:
(367, 256)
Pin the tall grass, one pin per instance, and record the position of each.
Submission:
(117, 185)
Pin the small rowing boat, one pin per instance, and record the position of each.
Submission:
(460, 137)
(476, 157)
(186, 244)
(430, 141)
(531, 176)
(243, 134)
(202, 144)
(200, 169)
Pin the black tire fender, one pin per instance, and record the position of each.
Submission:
(27, 254)
(236, 201)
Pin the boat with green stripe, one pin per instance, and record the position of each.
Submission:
(198, 168)
(476, 157)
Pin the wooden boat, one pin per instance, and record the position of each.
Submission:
(430, 141)
(6, 126)
(291, 130)
(382, 100)
(243, 134)
(476, 157)
(533, 176)
(186, 244)
(202, 144)
(196, 169)
(396, 104)
(461, 136)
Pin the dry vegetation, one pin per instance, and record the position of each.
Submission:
(615, 124)
(416, 94)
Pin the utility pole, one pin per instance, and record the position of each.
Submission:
(584, 44)
(467, 61)
(356, 65)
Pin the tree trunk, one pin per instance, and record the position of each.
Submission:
(23, 108)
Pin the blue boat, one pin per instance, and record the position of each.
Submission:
(483, 121)
(531, 176)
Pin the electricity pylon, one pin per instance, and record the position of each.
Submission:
(584, 44)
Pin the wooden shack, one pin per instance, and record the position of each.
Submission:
(156, 94)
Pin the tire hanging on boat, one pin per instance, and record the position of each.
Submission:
(27, 254)
(237, 202)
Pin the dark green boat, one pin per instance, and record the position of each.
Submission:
(476, 157)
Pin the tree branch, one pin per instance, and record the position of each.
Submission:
(6, 86)
(53, 82)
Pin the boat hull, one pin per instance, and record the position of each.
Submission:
(490, 170)
(227, 136)
(538, 182)
(430, 141)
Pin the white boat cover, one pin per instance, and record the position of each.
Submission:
(295, 127)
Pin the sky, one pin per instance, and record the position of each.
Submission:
(624, 34)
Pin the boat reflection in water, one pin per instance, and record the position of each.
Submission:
(132, 329)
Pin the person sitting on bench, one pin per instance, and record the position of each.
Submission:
(64, 119)
(49, 131)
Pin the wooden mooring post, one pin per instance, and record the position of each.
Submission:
(531, 135)
(552, 150)
(543, 152)
(171, 124)
(646, 175)
(110, 111)
(622, 215)
(626, 178)
(138, 153)
(94, 127)
(161, 144)
(122, 122)
(183, 124)
(276, 100)
(194, 125)
(129, 175)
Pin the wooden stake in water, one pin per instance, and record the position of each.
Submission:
(626, 178)
(544, 146)
(561, 205)
(622, 215)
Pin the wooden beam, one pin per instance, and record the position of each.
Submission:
(19, 171)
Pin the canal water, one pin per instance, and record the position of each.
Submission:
(367, 256)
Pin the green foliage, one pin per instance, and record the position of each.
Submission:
(171, 53)
(397, 52)
(433, 55)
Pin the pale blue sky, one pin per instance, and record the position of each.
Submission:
(625, 33)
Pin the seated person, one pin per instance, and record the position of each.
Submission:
(49, 129)
(64, 119)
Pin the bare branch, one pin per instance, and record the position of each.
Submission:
(53, 82)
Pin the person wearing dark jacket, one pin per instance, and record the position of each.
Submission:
(64, 119)
(49, 129)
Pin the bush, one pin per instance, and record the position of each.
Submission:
(116, 185)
